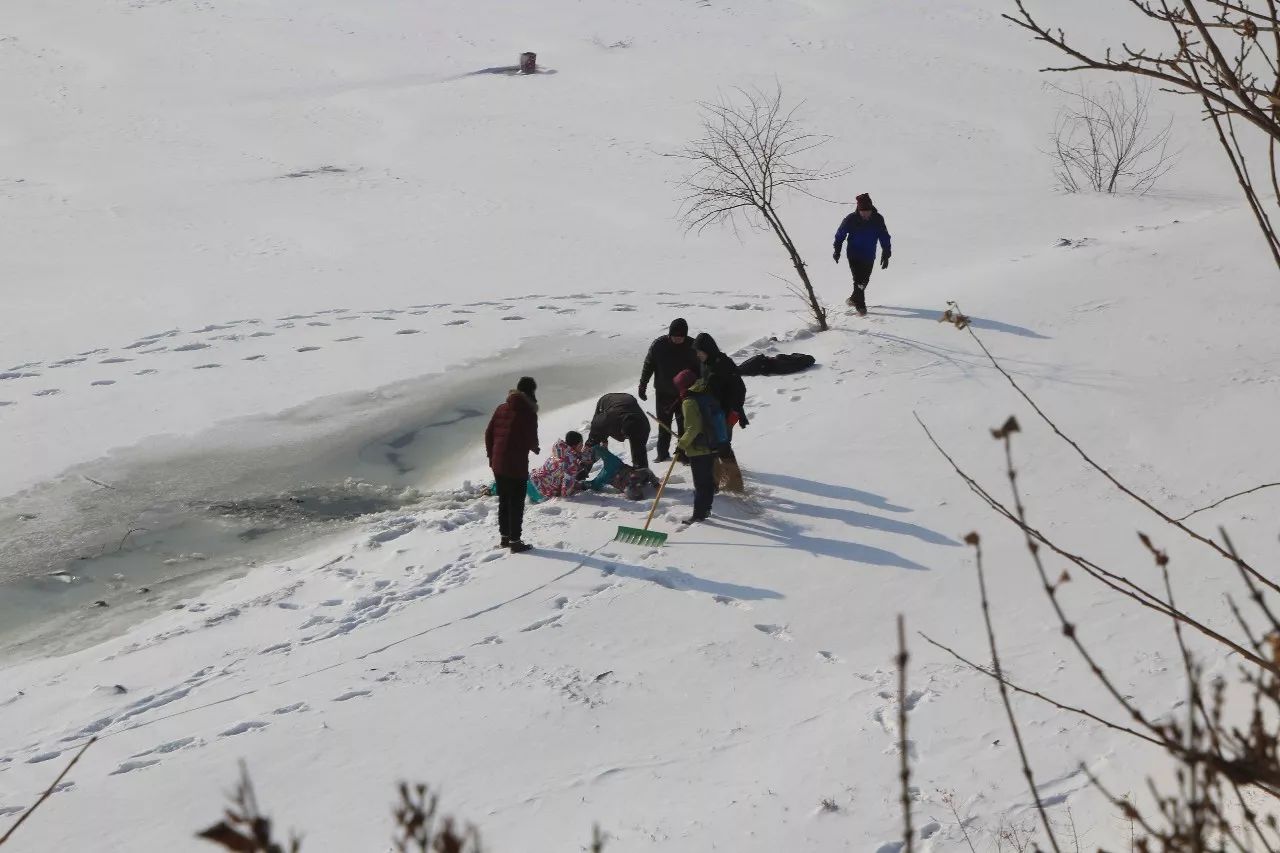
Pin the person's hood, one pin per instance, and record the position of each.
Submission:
(519, 399)
(707, 344)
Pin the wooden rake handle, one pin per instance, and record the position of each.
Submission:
(661, 424)
(658, 496)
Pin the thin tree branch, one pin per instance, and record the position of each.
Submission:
(1115, 582)
(904, 773)
(48, 791)
(973, 540)
(1219, 503)
(1080, 451)
(1061, 706)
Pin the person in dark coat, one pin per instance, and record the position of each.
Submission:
(511, 436)
(724, 382)
(863, 229)
(619, 416)
(667, 357)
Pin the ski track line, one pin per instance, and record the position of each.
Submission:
(581, 563)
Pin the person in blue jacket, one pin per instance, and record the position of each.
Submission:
(863, 228)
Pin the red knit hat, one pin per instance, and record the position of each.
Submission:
(864, 202)
(684, 381)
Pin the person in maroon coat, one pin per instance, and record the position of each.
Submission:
(511, 436)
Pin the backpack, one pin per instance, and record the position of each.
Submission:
(715, 428)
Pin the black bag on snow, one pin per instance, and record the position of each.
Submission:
(776, 365)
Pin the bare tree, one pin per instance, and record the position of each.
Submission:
(749, 155)
(1226, 53)
(1104, 141)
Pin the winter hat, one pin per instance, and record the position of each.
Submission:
(573, 438)
(864, 202)
(528, 387)
(684, 381)
(679, 328)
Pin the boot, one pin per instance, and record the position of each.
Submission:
(860, 300)
(518, 547)
(506, 542)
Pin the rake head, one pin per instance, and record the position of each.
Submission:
(640, 536)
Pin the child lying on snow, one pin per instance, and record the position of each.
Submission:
(558, 476)
(565, 472)
(625, 478)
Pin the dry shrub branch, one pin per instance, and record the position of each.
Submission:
(1104, 141)
(1227, 760)
(419, 826)
(1224, 53)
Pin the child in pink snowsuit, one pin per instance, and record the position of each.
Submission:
(558, 476)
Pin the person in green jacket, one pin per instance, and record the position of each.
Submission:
(693, 445)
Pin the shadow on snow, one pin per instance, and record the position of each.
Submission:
(671, 577)
(980, 323)
(826, 490)
(789, 535)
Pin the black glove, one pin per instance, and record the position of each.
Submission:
(835, 256)
(884, 261)
(681, 457)
(644, 394)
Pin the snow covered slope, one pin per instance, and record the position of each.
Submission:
(256, 247)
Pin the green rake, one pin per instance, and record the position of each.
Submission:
(643, 535)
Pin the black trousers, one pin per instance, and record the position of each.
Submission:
(861, 270)
(639, 450)
(704, 483)
(511, 494)
(668, 407)
(640, 447)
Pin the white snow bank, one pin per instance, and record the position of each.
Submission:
(162, 274)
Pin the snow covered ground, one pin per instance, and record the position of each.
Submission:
(262, 251)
